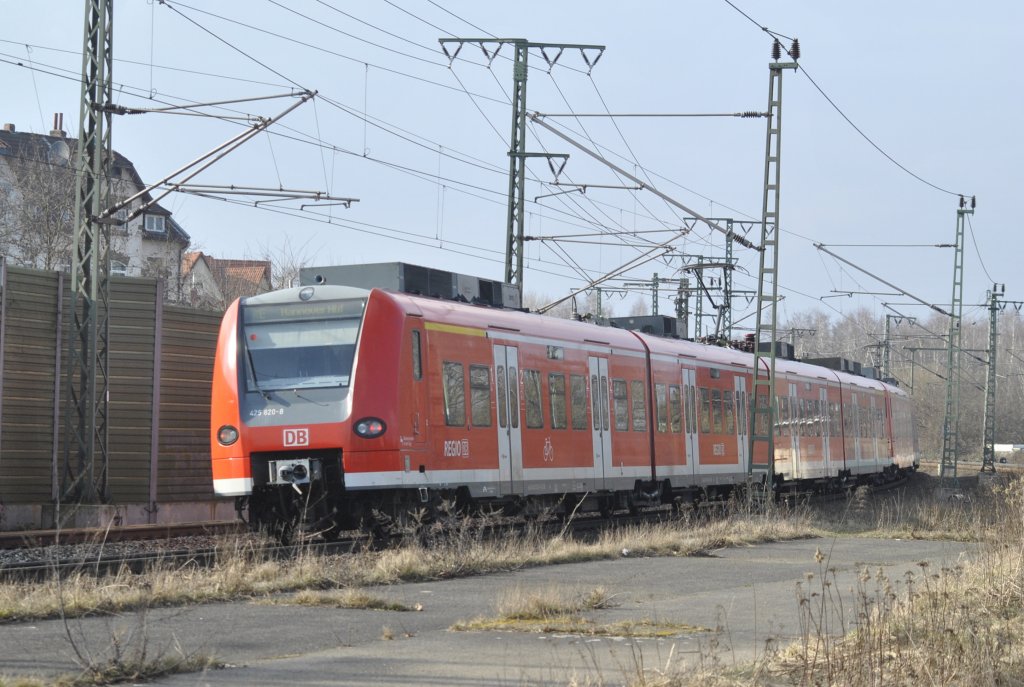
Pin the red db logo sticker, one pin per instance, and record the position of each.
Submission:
(296, 437)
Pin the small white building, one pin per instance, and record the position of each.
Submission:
(213, 283)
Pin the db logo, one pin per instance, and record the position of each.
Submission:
(296, 437)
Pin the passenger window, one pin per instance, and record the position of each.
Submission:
(741, 407)
(556, 394)
(730, 412)
(716, 411)
(480, 395)
(691, 410)
(454, 394)
(604, 402)
(705, 411)
(595, 394)
(513, 397)
(531, 394)
(639, 407)
(675, 408)
(502, 401)
(578, 390)
(781, 416)
(621, 407)
(417, 356)
(661, 400)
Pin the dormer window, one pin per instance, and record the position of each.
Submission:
(156, 224)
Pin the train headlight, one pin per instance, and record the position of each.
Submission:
(370, 427)
(227, 435)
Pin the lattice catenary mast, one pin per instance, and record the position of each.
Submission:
(761, 461)
(517, 148)
(86, 430)
(951, 421)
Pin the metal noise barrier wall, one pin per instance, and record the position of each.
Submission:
(160, 362)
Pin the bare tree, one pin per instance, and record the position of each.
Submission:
(37, 208)
(287, 259)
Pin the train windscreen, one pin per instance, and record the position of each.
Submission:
(300, 345)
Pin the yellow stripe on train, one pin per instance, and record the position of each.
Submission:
(453, 329)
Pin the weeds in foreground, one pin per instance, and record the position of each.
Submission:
(557, 610)
(242, 571)
(958, 625)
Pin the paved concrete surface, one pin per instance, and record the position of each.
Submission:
(744, 597)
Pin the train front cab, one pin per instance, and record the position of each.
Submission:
(297, 390)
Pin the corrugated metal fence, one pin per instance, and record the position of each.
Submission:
(161, 361)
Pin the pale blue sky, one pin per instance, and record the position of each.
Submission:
(935, 84)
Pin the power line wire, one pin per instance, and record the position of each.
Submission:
(842, 114)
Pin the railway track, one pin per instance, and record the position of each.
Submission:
(105, 557)
(37, 538)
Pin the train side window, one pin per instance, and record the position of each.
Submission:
(730, 412)
(454, 394)
(417, 356)
(705, 411)
(502, 400)
(761, 413)
(716, 411)
(801, 410)
(621, 406)
(531, 394)
(661, 401)
(639, 406)
(595, 400)
(781, 416)
(556, 394)
(741, 414)
(578, 392)
(691, 410)
(480, 395)
(675, 408)
(513, 398)
(604, 401)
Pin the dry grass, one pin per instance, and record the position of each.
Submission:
(560, 611)
(962, 625)
(127, 670)
(242, 572)
(343, 598)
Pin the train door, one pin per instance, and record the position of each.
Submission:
(510, 439)
(795, 430)
(601, 433)
(743, 445)
(690, 426)
(825, 430)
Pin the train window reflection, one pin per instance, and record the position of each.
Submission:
(675, 405)
(578, 389)
(531, 394)
(621, 409)
(300, 353)
(454, 394)
(639, 406)
(480, 395)
(556, 395)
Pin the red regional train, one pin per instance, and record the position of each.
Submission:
(336, 406)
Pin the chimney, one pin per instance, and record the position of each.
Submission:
(9, 127)
(58, 126)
